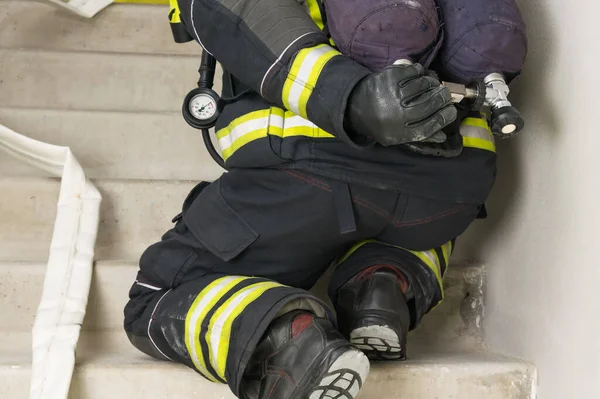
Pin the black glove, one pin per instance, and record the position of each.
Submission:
(399, 105)
(453, 145)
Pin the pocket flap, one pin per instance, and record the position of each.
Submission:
(217, 226)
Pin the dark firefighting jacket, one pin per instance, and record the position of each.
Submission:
(297, 85)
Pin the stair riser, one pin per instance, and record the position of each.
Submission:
(133, 215)
(91, 81)
(120, 28)
(115, 145)
(20, 290)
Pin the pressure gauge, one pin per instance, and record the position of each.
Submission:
(201, 108)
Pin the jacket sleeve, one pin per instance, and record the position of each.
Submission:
(274, 47)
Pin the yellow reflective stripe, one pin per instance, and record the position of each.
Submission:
(312, 80)
(482, 144)
(303, 76)
(219, 331)
(477, 134)
(280, 112)
(447, 251)
(142, 1)
(174, 12)
(431, 259)
(258, 124)
(242, 141)
(295, 125)
(306, 131)
(204, 302)
(243, 130)
(476, 122)
(315, 13)
(355, 248)
(242, 119)
(288, 86)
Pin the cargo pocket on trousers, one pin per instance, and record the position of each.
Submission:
(218, 227)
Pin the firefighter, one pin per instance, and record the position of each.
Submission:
(370, 170)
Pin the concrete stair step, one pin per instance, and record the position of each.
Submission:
(123, 28)
(454, 324)
(109, 367)
(134, 214)
(115, 145)
(41, 79)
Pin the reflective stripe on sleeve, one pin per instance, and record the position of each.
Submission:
(303, 76)
(477, 134)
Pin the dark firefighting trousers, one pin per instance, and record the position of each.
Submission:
(247, 247)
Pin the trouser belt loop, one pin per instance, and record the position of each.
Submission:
(342, 200)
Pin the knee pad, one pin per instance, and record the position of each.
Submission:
(378, 32)
(481, 37)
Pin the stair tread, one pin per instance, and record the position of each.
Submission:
(427, 374)
(112, 347)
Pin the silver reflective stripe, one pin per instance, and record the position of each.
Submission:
(302, 79)
(152, 287)
(476, 132)
(150, 323)
(243, 129)
(278, 61)
(218, 289)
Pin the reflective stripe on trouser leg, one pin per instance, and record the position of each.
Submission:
(423, 269)
(435, 259)
(212, 323)
(477, 134)
(219, 331)
(209, 320)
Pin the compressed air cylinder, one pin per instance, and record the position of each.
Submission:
(481, 37)
(378, 32)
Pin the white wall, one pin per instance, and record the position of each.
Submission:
(542, 240)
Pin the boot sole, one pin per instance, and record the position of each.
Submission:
(378, 342)
(344, 378)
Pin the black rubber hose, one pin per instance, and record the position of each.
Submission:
(208, 65)
(211, 148)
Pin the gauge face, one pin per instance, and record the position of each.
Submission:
(203, 106)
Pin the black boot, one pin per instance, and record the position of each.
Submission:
(302, 356)
(373, 313)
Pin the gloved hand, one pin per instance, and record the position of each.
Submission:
(399, 105)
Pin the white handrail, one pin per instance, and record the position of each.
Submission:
(69, 271)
